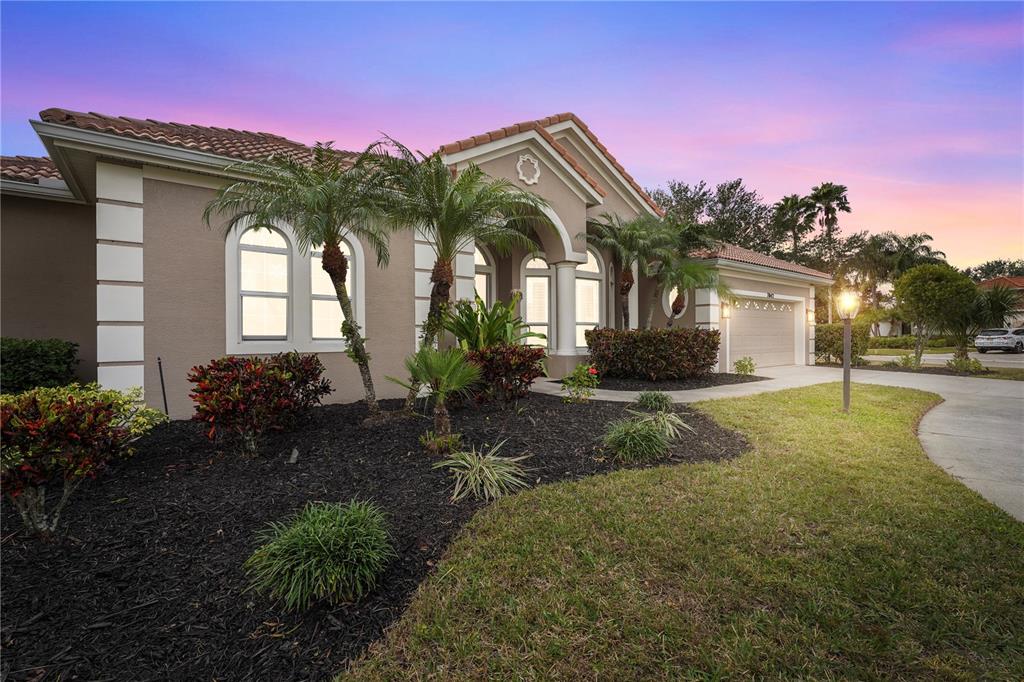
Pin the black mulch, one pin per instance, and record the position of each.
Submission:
(617, 384)
(924, 369)
(148, 582)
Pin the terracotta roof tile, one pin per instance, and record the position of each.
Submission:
(732, 252)
(28, 169)
(1014, 282)
(228, 142)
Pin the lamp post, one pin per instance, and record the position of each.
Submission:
(848, 303)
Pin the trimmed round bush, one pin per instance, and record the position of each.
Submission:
(654, 400)
(636, 440)
(328, 551)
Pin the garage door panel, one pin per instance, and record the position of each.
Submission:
(762, 330)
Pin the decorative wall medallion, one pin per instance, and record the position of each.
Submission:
(528, 169)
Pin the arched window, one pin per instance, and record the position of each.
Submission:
(325, 311)
(264, 284)
(669, 297)
(537, 299)
(484, 274)
(589, 296)
(278, 296)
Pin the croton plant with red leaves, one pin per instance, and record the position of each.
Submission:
(243, 397)
(64, 435)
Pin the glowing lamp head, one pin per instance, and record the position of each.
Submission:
(726, 311)
(848, 304)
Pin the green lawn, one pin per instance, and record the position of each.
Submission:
(833, 550)
(904, 351)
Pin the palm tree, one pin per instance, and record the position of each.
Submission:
(793, 217)
(330, 196)
(444, 372)
(453, 212)
(989, 308)
(829, 199)
(680, 270)
(909, 251)
(643, 241)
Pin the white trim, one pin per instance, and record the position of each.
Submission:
(765, 274)
(603, 161)
(119, 183)
(565, 307)
(120, 343)
(34, 191)
(118, 222)
(490, 269)
(601, 277)
(300, 332)
(119, 303)
(633, 299)
(491, 150)
(743, 293)
(121, 377)
(151, 172)
(119, 263)
(563, 234)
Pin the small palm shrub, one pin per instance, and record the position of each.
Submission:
(636, 440)
(328, 551)
(244, 397)
(745, 366)
(966, 365)
(484, 475)
(654, 400)
(69, 433)
(445, 373)
(580, 383)
(32, 363)
(476, 327)
(670, 423)
(507, 370)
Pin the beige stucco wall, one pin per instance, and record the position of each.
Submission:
(185, 304)
(614, 202)
(48, 274)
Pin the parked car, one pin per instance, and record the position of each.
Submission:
(1010, 340)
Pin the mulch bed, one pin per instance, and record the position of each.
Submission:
(618, 384)
(925, 369)
(147, 582)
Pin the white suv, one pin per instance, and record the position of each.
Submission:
(1010, 340)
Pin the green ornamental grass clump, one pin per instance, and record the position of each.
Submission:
(654, 400)
(328, 551)
(485, 474)
(636, 440)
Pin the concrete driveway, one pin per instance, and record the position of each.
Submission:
(977, 434)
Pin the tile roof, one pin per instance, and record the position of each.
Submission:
(1014, 282)
(732, 252)
(236, 144)
(28, 169)
(541, 125)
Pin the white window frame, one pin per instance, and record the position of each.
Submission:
(489, 270)
(601, 278)
(287, 252)
(300, 299)
(549, 272)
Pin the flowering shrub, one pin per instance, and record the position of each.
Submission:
(247, 396)
(653, 354)
(31, 363)
(69, 434)
(828, 342)
(507, 370)
(580, 383)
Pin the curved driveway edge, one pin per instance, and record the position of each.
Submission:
(976, 435)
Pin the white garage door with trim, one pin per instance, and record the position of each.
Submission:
(764, 330)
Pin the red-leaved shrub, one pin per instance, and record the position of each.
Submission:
(507, 370)
(653, 354)
(66, 434)
(247, 396)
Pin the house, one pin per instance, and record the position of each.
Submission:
(103, 243)
(1011, 282)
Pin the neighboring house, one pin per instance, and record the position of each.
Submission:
(1017, 284)
(104, 244)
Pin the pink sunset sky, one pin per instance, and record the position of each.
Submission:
(918, 108)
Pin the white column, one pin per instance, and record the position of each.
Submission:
(120, 343)
(634, 300)
(565, 308)
(706, 310)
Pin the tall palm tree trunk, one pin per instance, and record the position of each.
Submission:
(650, 308)
(335, 264)
(442, 277)
(625, 285)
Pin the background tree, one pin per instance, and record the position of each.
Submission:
(793, 219)
(925, 295)
(323, 200)
(987, 308)
(995, 268)
(644, 241)
(829, 200)
(910, 250)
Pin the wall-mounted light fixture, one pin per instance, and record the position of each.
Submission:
(810, 316)
(726, 311)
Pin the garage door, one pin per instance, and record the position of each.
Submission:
(764, 330)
